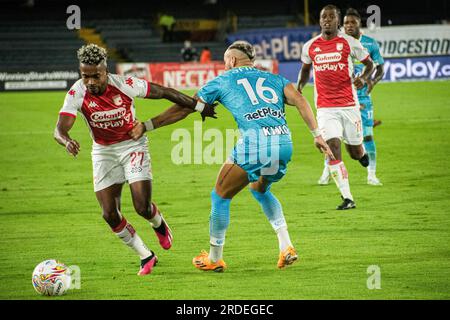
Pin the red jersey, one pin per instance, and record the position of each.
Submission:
(333, 69)
(111, 115)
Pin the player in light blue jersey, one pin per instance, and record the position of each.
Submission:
(352, 25)
(256, 100)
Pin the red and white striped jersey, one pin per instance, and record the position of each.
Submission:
(109, 116)
(333, 69)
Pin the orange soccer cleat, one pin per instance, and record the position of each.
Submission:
(287, 257)
(202, 262)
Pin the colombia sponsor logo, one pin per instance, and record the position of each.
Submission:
(328, 57)
(101, 116)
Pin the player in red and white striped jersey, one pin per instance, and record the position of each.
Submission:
(330, 56)
(106, 103)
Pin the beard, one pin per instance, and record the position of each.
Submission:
(97, 90)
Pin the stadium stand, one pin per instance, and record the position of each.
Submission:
(39, 44)
(137, 40)
(251, 22)
(36, 44)
(36, 38)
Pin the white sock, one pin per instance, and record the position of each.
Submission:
(340, 177)
(128, 235)
(215, 253)
(156, 220)
(325, 166)
(284, 241)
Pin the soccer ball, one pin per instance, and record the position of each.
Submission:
(51, 278)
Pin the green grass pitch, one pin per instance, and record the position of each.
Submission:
(48, 210)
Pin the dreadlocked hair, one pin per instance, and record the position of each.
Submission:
(92, 54)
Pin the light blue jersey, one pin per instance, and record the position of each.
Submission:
(255, 98)
(364, 98)
(374, 50)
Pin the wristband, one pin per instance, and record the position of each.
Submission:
(315, 133)
(199, 106)
(148, 125)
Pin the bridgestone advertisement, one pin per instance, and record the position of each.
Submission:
(54, 80)
(394, 41)
(412, 41)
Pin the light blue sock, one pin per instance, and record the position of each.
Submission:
(372, 153)
(219, 219)
(271, 207)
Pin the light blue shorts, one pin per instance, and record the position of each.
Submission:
(366, 112)
(268, 161)
(367, 131)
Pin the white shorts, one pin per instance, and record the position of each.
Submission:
(120, 162)
(342, 123)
